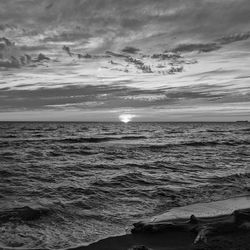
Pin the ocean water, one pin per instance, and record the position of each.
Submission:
(68, 184)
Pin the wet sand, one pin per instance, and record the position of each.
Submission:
(159, 241)
(173, 241)
(176, 240)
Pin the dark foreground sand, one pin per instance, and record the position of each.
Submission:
(173, 241)
(159, 241)
(184, 240)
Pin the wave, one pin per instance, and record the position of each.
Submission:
(25, 213)
(217, 131)
(76, 152)
(8, 136)
(126, 180)
(231, 178)
(200, 144)
(39, 138)
(175, 132)
(100, 139)
(75, 140)
(4, 144)
(245, 129)
(202, 193)
(8, 153)
(214, 143)
(80, 204)
(5, 173)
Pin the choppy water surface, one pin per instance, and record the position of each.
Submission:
(67, 184)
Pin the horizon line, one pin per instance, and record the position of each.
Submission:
(51, 121)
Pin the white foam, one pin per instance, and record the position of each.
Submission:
(210, 209)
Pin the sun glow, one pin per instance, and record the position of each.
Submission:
(126, 118)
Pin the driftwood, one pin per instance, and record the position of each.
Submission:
(203, 227)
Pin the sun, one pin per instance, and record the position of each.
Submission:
(126, 117)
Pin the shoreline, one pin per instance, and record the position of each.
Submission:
(175, 238)
(180, 239)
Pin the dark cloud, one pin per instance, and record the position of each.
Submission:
(234, 38)
(12, 56)
(130, 50)
(192, 94)
(208, 47)
(34, 48)
(207, 18)
(42, 97)
(13, 63)
(4, 27)
(67, 36)
(8, 54)
(215, 72)
(103, 97)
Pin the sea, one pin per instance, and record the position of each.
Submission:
(67, 184)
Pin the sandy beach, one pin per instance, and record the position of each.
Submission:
(172, 241)
(180, 240)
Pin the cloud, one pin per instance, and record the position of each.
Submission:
(4, 27)
(58, 97)
(130, 50)
(13, 63)
(8, 54)
(34, 48)
(208, 47)
(234, 38)
(111, 96)
(128, 20)
(146, 97)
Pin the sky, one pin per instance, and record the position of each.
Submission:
(145, 60)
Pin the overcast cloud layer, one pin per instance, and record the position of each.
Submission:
(160, 60)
